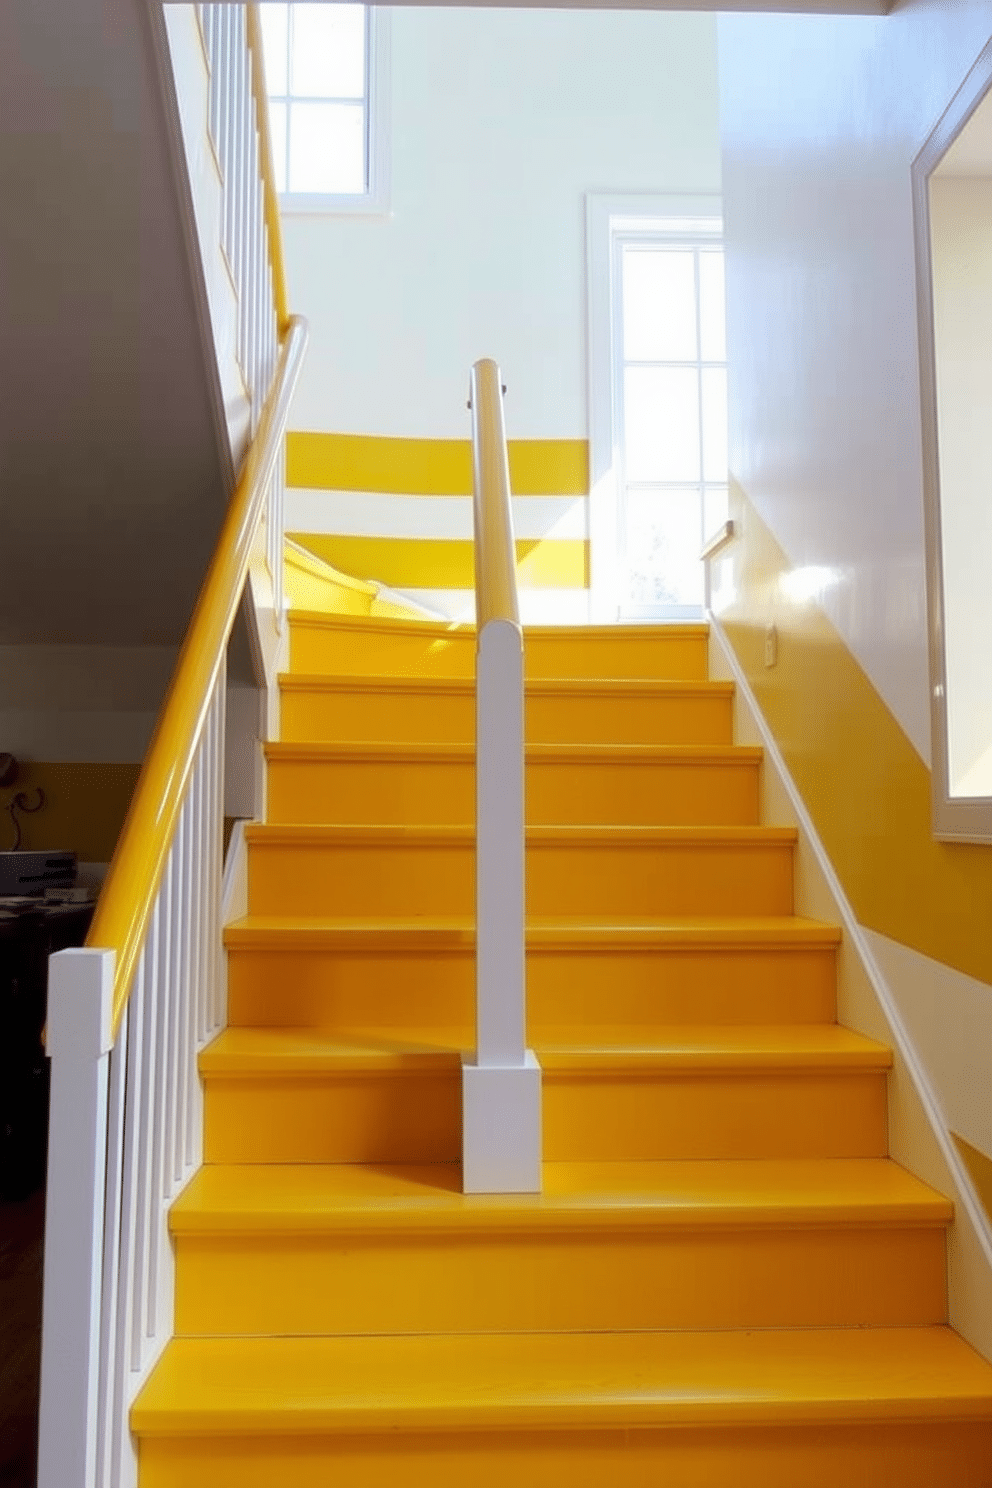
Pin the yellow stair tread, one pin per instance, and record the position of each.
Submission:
(264, 1386)
(428, 834)
(728, 932)
(691, 1048)
(596, 687)
(627, 754)
(313, 1197)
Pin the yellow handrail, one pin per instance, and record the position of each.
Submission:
(132, 882)
(495, 551)
(273, 221)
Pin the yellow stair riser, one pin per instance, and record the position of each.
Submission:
(666, 1278)
(677, 654)
(389, 1116)
(622, 794)
(614, 881)
(777, 1113)
(338, 715)
(335, 989)
(822, 1454)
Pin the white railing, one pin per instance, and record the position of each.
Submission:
(501, 1085)
(250, 239)
(128, 1014)
(125, 1134)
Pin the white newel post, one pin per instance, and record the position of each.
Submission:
(501, 1087)
(80, 995)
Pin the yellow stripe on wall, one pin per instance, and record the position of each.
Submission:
(430, 467)
(863, 783)
(426, 563)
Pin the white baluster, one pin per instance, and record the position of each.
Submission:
(80, 992)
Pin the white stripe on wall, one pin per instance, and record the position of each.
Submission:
(380, 514)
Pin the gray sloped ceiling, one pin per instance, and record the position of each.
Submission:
(114, 463)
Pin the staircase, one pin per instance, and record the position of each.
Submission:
(725, 1280)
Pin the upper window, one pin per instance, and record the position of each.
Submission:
(324, 70)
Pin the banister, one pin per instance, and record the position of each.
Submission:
(136, 868)
(495, 554)
(501, 1084)
(273, 221)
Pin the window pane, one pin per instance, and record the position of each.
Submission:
(661, 423)
(277, 129)
(663, 543)
(716, 509)
(328, 58)
(275, 46)
(714, 424)
(327, 148)
(712, 307)
(659, 305)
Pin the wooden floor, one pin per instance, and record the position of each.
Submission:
(22, 1224)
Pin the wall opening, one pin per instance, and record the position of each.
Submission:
(953, 199)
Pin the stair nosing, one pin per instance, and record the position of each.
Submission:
(458, 835)
(459, 936)
(742, 756)
(465, 686)
(675, 1401)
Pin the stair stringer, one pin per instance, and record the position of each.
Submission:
(919, 1136)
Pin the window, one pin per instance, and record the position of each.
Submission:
(672, 400)
(658, 401)
(325, 71)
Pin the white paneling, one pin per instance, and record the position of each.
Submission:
(821, 119)
(502, 120)
(949, 1017)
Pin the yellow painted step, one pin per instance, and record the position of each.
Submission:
(894, 1408)
(335, 974)
(573, 784)
(633, 1245)
(408, 710)
(325, 644)
(303, 1095)
(617, 873)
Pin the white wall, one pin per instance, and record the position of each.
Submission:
(821, 119)
(501, 121)
(961, 257)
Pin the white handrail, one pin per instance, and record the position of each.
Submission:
(501, 1085)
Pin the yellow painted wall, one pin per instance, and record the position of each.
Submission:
(84, 808)
(549, 476)
(422, 563)
(430, 467)
(865, 786)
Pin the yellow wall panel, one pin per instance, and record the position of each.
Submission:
(84, 808)
(865, 786)
(430, 467)
(423, 563)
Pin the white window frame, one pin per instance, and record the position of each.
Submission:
(374, 201)
(610, 218)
